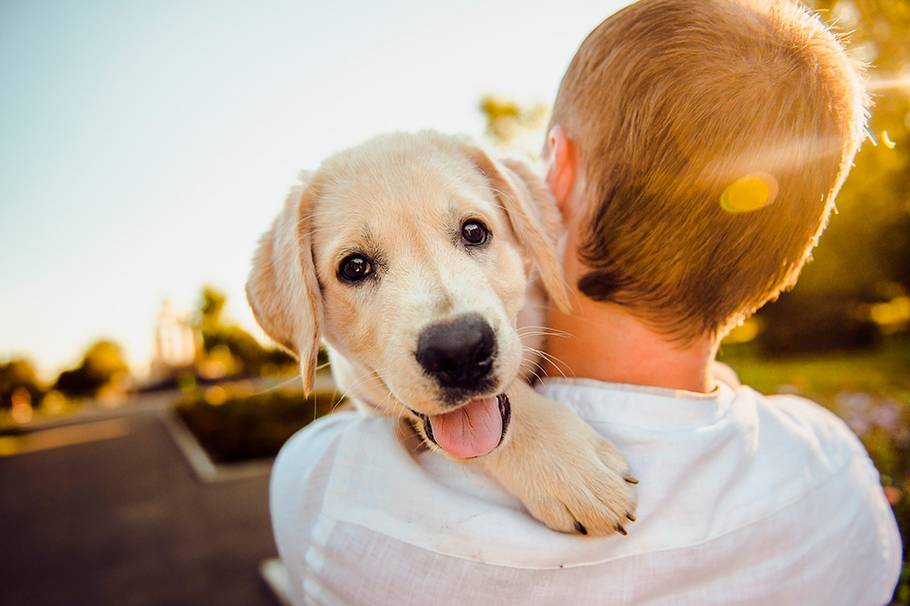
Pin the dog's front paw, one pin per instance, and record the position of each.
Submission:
(589, 490)
(567, 476)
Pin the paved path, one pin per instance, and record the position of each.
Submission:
(123, 521)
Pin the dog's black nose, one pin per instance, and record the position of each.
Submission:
(458, 354)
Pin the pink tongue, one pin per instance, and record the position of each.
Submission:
(473, 430)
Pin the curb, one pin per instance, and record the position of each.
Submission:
(202, 465)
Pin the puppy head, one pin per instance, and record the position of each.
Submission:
(411, 256)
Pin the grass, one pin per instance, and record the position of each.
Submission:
(883, 373)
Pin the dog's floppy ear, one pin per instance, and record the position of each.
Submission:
(534, 216)
(282, 288)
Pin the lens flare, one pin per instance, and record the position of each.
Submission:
(749, 193)
(901, 81)
(871, 136)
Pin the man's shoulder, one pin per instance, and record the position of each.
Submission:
(318, 436)
(846, 498)
(312, 449)
(794, 421)
(812, 448)
(800, 418)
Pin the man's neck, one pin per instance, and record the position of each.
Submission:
(604, 341)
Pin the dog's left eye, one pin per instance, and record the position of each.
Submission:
(355, 268)
(474, 232)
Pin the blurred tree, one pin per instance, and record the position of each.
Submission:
(227, 349)
(103, 364)
(514, 126)
(18, 375)
(864, 256)
(211, 308)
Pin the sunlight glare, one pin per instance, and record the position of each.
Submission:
(749, 193)
(889, 84)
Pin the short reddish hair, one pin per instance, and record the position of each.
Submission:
(671, 101)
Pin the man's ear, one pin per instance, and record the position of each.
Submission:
(282, 288)
(562, 168)
(533, 215)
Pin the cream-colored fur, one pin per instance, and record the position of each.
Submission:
(402, 198)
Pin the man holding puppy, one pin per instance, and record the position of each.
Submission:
(695, 153)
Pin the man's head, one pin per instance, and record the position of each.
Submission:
(700, 146)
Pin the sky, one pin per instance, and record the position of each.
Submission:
(145, 146)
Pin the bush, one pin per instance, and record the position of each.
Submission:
(798, 324)
(18, 375)
(103, 364)
(233, 429)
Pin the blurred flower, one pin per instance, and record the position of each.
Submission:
(858, 423)
(893, 494)
(855, 402)
(887, 416)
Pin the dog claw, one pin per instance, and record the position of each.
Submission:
(621, 530)
(630, 517)
(581, 528)
(630, 480)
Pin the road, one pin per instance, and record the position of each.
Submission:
(122, 520)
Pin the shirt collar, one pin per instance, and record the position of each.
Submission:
(648, 407)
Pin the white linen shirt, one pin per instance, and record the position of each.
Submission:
(744, 499)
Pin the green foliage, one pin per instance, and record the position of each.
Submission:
(18, 374)
(239, 352)
(864, 256)
(513, 125)
(810, 322)
(211, 308)
(866, 249)
(102, 364)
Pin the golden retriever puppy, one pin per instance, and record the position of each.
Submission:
(418, 259)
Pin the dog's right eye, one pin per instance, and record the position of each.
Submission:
(355, 268)
(474, 233)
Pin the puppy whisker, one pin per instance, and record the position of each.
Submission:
(553, 360)
(530, 371)
(533, 363)
(278, 385)
(542, 330)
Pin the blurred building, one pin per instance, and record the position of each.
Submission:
(176, 343)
